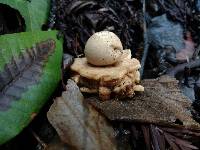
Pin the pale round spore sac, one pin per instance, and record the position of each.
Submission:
(103, 48)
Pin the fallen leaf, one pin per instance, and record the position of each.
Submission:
(161, 102)
(29, 74)
(79, 124)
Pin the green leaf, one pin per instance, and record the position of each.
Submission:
(35, 12)
(30, 69)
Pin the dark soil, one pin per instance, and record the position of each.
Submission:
(10, 20)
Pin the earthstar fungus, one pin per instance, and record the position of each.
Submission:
(107, 69)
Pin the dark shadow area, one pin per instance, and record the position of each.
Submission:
(11, 20)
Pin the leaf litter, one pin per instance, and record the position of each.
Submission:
(162, 103)
(152, 130)
(79, 124)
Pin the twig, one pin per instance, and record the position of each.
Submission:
(38, 139)
(146, 44)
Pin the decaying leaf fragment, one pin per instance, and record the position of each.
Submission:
(161, 103)
(78, 124)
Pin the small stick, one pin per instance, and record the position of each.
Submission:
(38, 139)
(146, 44)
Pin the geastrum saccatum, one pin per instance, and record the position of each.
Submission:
(107, 69)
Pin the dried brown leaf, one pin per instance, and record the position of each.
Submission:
(161, 103)
(78, 124)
